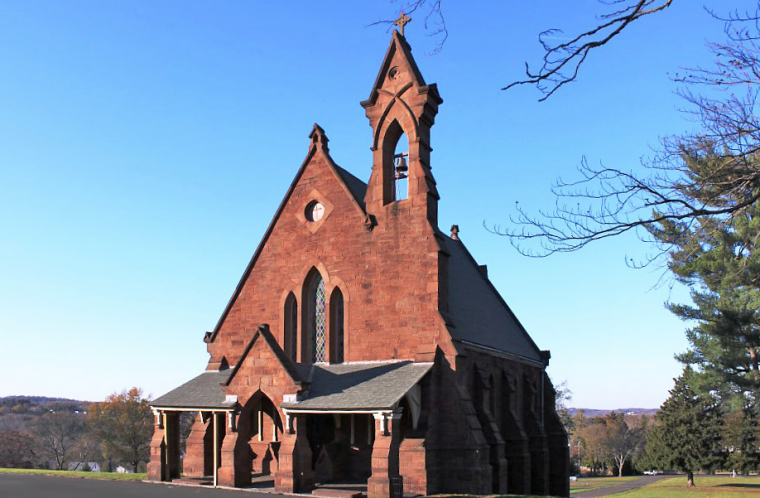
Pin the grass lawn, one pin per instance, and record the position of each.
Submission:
(582, 484)
(113, 476)
(587, 483)
(707, 487)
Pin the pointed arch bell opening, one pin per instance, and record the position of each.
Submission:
(395, 164)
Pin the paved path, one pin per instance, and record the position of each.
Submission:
(36, 486)
(619, 488)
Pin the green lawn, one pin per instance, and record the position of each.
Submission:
(582, 484)
(114, 476)
(707, 487)
(587, 483)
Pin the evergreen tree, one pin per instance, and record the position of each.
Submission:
(739, 434)
(716, 257)
(687, 437)
(725, 342)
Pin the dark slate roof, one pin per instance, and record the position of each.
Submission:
(204, 391)
(479, 314)
(357, 187)
(360, 386)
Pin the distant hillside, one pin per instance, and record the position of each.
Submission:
(17, 411)
(593, 412)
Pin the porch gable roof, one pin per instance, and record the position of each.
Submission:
(204, 391)
(359, 386)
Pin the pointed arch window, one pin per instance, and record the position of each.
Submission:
(291, 327)
(315, 323)
(337, 326)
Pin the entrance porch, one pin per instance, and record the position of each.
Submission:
(341, 436)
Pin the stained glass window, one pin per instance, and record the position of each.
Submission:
(320, 322)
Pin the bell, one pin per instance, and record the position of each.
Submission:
(401, 166)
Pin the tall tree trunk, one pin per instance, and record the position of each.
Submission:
(690, 478)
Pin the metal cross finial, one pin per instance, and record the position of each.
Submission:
(402, 21)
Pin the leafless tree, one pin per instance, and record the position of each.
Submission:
(562, 61)
(433, 19)
(713, 173)
(57, 433)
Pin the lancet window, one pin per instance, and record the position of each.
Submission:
(337, 326)
(291, 328)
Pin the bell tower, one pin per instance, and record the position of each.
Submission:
(401, 104)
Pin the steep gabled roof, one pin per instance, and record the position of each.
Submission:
(352, 186)
(479, 314)
(357, 187)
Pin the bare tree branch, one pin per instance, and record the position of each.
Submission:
(562, 61)
(433, 22)
(704, 179)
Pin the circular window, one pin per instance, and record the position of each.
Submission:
(315, 211)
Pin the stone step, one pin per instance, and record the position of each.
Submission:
(194, 481)
(337, 492)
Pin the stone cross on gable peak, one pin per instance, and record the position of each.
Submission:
(402, 21)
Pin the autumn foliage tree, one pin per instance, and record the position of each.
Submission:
(17, 450)
(123, 425)
(609, 440)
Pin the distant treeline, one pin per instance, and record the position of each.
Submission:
(61, 433)
(591, 412)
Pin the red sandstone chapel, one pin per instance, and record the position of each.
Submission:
(363, 345)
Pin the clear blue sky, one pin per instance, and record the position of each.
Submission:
(145, 146)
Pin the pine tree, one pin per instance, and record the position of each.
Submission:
(687, 436)
(739, 434)
(716, 257)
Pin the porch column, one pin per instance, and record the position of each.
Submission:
(194, 464)
(385, 481)
(235, 470)
(171, 436)
(294, 473)
(413, 464)
(157, 464)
